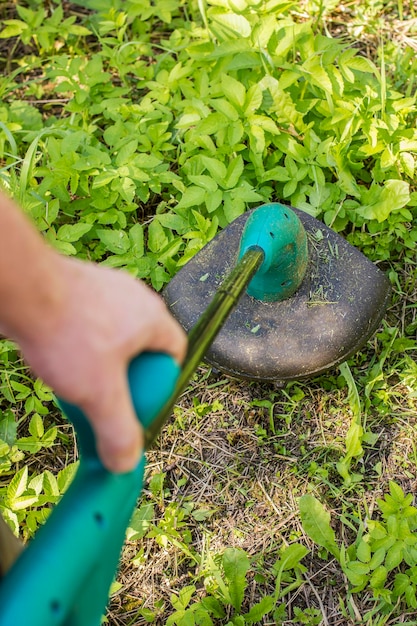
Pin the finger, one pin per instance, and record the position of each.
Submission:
(117, 429)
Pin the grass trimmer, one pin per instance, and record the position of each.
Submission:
(314, 301)
(282, 257)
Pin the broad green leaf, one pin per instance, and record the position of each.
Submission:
(216, 168)
(213, 606)
(36, 483)
(213, 200)
(257, 139)
(235, 565)
(237, 24)
(394, 556)
(401, 583)
(29, 444)
(116, 241)
(378, 577)
(36, 427)
(49, 437)
(126, 152)
(185, 595)
(115, 587)
(172, 221)
(23, 390)
(104, 178)
(289, 146)
(70, 233)
(378, 202)
(137, 240)
(232, 206)
(410, 596)
(234, 172)
(72, 140)
(377, 558)
(42, 390)
(206, 182)
(338, 159)
(291, 556)
(408, 163)
(8, 427)
(363, 552)
(50, 484)
(396, 492)
(278, 173)
(358, 567)
(287, 37)
(18, 484)
(115, 133)
(238, 5)
(13, 28)
(126, 187)
(146, 161)
(354, 441)
(266, 29)
(157, 239)
(187, 120)
(80, 31)
(24, 502)
(253, 99)
(316, 523)
(140, 522)
(266, 123)
(66, 476)
(234, 90)
(235, 132)
(212, 123)
(259, 610)
(169, 251)
(319, 76)
(192, 197)
(223, 106)
(362, 64)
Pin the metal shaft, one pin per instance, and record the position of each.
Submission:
(209, 324)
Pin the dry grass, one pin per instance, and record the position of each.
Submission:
(250, 484)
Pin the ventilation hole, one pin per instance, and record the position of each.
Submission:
(55, 607)
(272, 235)
(286, 283)
(99, 519)
(286, 215)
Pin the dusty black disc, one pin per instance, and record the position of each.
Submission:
(337, 308)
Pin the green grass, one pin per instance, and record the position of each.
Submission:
(131, 133)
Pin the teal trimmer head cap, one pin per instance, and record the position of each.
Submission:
(279, 232)
(314, 301)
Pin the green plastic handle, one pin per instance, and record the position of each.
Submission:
(63, 577)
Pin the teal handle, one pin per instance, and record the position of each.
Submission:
(64, 575)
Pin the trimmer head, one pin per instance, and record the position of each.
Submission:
(339, 304)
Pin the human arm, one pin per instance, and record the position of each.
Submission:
(78, 325)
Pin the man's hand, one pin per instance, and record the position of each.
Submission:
(105, 319)
(79, 325)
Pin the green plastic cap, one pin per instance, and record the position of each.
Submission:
(278, 231)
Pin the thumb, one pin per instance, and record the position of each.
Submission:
(118, 432)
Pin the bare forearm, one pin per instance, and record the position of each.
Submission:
(29, 275)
